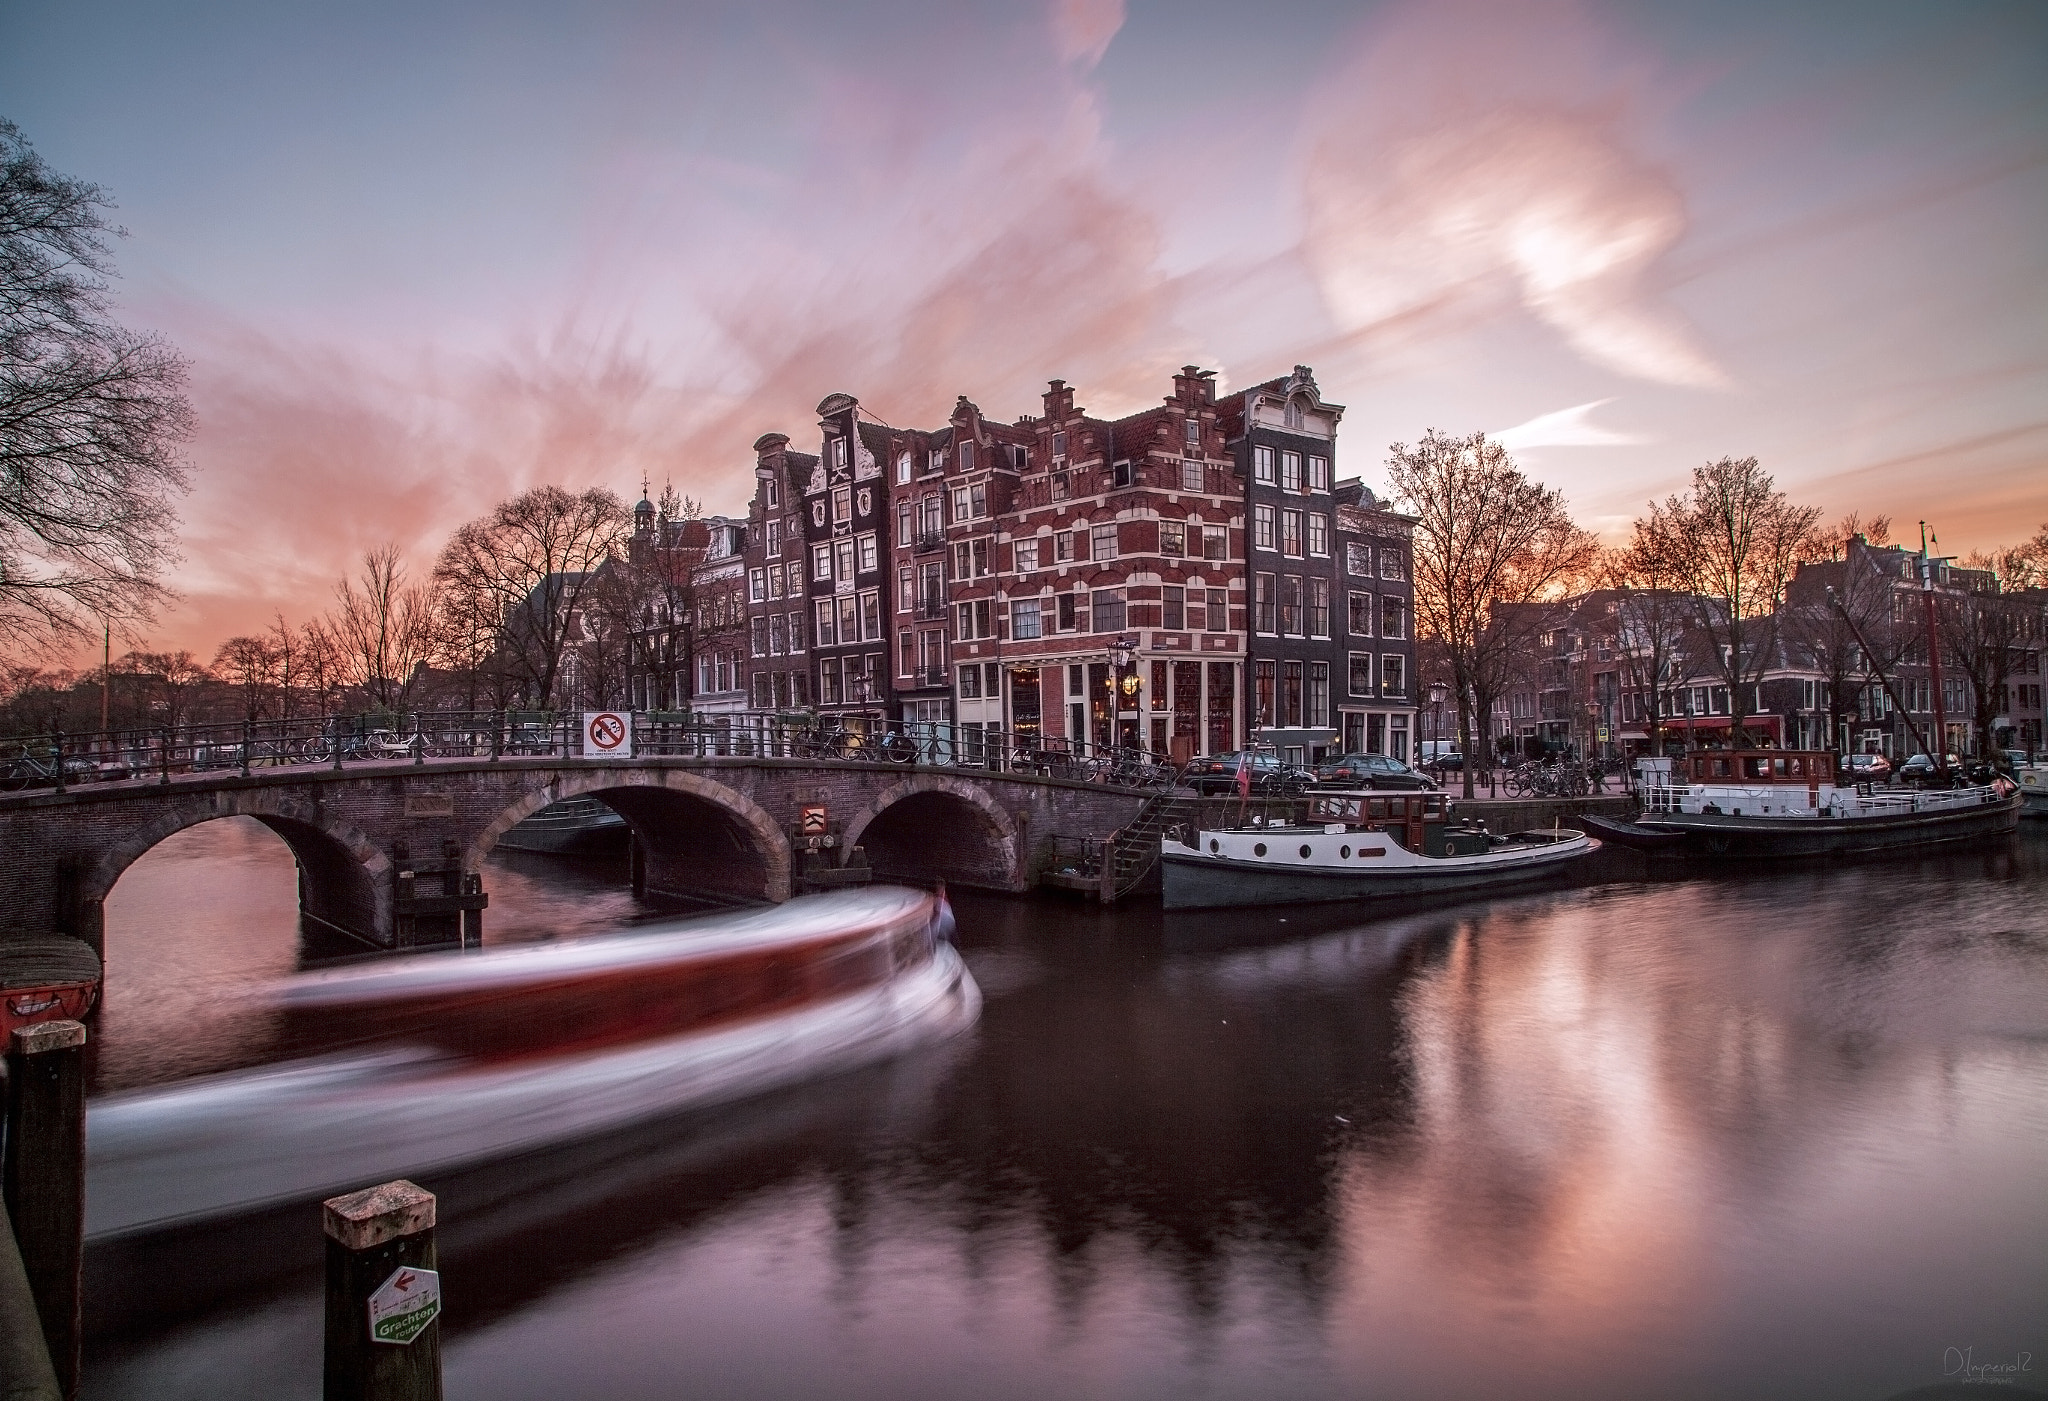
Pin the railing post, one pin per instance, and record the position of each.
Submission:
(336, 728)
(497, 735)
(248, 742)
(45, 1178)
(58, 740)
(383, 1296)
(163, 754)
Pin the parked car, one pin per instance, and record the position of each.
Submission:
(1866, 768)
(1370, 771)
(1919, 771)
(1217, 773)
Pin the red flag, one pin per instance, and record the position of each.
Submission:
(1244, 774)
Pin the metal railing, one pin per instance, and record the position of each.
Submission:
(158, 754)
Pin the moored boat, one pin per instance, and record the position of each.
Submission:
(1774, 803)
(572, 827)
(463, 1058)
(2033, 780)
(1354, 846)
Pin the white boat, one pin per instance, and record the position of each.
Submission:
(472, 1057)
(1354, 846)
(1771, 803)
(2033, 789)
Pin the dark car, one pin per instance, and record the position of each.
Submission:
(1919, 771)
(1217, 773)
(1370, 771)
(1866, 768)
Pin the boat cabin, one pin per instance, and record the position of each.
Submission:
(1417, 821)
(1801, 767)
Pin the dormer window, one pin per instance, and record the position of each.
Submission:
(1059, 448)
(902, 469)
(839, 452)
(967, 457)
(1293, 415)
(1193, 429)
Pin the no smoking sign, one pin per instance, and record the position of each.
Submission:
(608, 733)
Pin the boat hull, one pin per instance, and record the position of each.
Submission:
(579, 827)
(1191, 880)
(1725, 836)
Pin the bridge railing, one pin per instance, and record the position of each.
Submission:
(157, 753)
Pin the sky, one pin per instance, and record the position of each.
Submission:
(422, 256)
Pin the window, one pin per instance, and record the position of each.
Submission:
(821, 562)
(1293, 414)
(902, 469)
(871, 614)
(1063, 546)
(929, 521)
(757, 586)
(1290, 604)
(839, 452)
(1319, 474)
(771, 539)
(906, 652)
(962, 510)
(970, 682)
(1192, 431)
(1025, 555)
(795, 570)
(775, 581)
(1191, 475)
(842, 503)
(1318, 533)
(1059, 449)
(1059, 486)
(1262, 694)
(976, 620)
(827, 632)
(931, 592)
(904, 528)
(842, 551)
(1391, 680)
(1263, 533)
(1290, 471)
(771, 493)
(1215, 542)
(1263, 602)
(1290, 534)
(1067, 619)
(1219, 610)
(1024, 619)
(906, 591)
(1358, 559)
(796, 632)
(1173, 607)
(1122, 474)
(967, 456)
(778, 636)
(828, 681)
(868, 560)
(818, 513)
(1390, 564)
(1359, 622)
(1290, 693)
(977, 500)
(1318, 694)
(1173, 539)
(1262, 466)
(1102, 542)
(757, 632)
(1107, 605)
(1361, 674)
(1318, 607)
(1393, 618)
(971, 558)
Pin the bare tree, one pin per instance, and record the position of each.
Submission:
(1735, 542)
(382, 628)
(1489, 543)
(250, 663)
(531, 560)
(1840, 614)
(92, 419)
(1651, 616)
(319, 661)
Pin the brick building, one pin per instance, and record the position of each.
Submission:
(778, 600)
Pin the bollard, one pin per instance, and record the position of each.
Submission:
(45, 1178)
(383, 1296)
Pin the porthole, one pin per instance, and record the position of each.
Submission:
(1345, 852)
(1215, 845)
(1305, 851)
(1259, 849)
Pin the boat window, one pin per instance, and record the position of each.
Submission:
(1720, 768)
(1259, 849)
(1345, 852)
(1306, 850)
(1778, 766)
(1215, 845)
(1378, 807)
(1798, 768)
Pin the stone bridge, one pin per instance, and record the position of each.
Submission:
(706, 828)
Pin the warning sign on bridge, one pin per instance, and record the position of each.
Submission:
(607, 733)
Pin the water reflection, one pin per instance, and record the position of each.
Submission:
(1779, 1136)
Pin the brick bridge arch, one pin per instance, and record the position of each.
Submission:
(344, 878)
(934, 825)
(700, 838)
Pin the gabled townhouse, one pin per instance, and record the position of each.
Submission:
(777, 574)
(1375, 672)
(845, 519)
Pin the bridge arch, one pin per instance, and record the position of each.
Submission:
(701, 839)
(936, 827)
(344, 879)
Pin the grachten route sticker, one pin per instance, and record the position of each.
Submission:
(404, 1305)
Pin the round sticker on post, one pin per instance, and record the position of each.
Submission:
(404, 1305)
(607, 734)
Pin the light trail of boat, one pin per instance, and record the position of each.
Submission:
(823, 985)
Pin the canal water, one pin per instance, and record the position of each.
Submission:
(1778, 1134)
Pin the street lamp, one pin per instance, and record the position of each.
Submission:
(1437, 694)
(1121, 653)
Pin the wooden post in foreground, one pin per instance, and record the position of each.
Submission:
(383, 1296)
(44, 1178)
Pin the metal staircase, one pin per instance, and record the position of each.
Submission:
(1133, 852)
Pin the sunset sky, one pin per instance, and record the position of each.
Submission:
(424, 255)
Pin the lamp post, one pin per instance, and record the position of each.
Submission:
(1121, 653)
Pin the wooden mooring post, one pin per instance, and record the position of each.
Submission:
(44, 1179)
(383, 1296)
